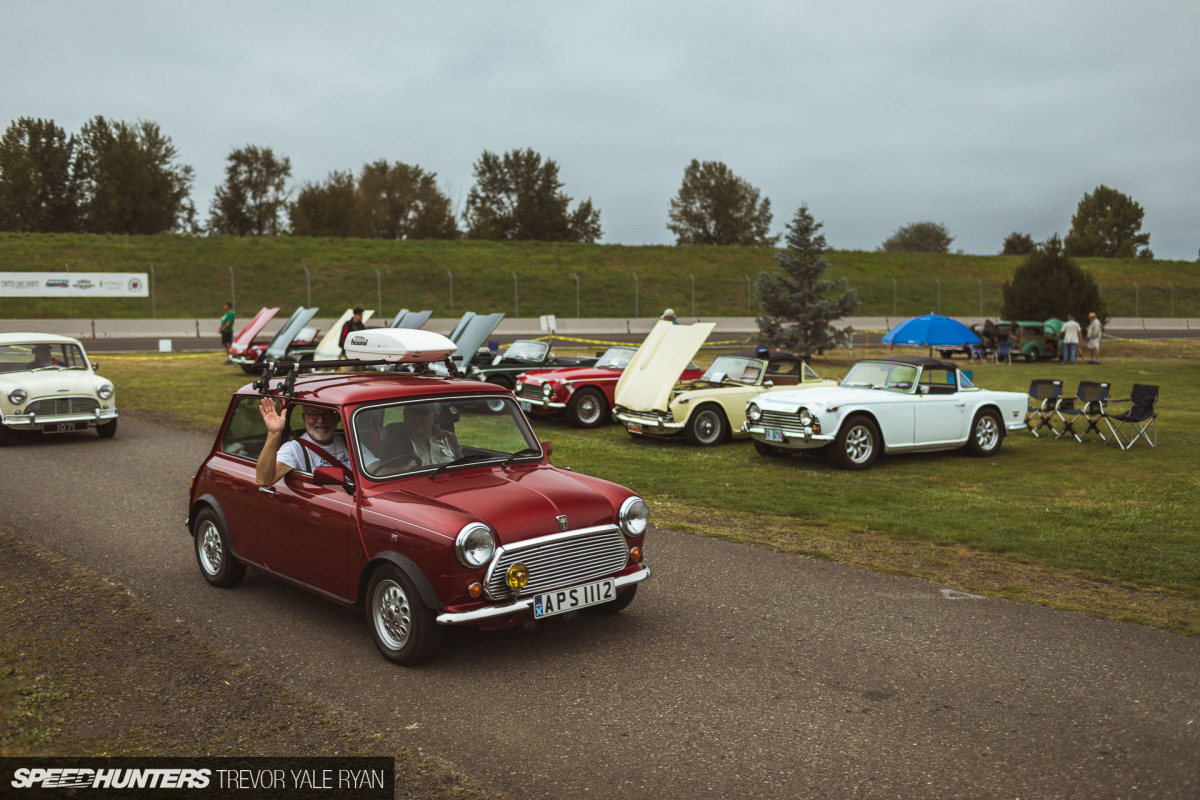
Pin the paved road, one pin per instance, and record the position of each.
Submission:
(737, 673)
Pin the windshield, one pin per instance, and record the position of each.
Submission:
(734, 368)
(423, 435)
(527, 351)
(881, 375)
(41, 355)
(616, 358)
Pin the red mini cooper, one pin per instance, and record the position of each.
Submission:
(446, 510)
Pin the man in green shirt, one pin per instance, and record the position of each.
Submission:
(227, 328)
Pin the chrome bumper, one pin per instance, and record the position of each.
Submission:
(524, 604)
(791, 440)
(35, 422)
(649, 424)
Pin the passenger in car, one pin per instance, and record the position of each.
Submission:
(421, 437)
(276, 460)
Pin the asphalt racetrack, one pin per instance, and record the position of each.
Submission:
(738, 672)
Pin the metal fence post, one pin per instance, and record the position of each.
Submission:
(232, 289)
(893, 297)
(451, 277)
(516, 297)
(635, 296)
(980, 296)
(379, 291)
(153, 289)
(693, 277)
(939, 295)
(575, 275)
(1137, 292)
(308, 287)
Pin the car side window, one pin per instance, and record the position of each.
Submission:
(938, 381)
(246, 433)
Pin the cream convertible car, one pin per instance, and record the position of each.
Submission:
(47, 384)
(895, 405)
(650, 402)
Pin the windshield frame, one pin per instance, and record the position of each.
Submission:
(710, 374)
(887, 376)
(604, 362)
(18, 357)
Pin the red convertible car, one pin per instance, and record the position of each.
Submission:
(584, 393)
(441, 506)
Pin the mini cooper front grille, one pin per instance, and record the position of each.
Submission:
(62, 406)
(784, 420)
(560, 561)
(530, 391)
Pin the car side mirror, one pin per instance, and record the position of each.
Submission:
(547, 449)
(334, 476)
(767, 384)
(95, 365)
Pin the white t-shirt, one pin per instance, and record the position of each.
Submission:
(1071, 332)
(292, 453)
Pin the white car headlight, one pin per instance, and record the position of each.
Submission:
(547, 391)
(475, 545)
(105, 391)
(753, 412)
(17, 396)
(805, 417)
(634, 516)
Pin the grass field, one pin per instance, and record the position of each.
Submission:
(193, 276)
(1081, 526)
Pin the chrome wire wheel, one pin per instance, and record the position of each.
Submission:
(860, 444)
(210, 548)
(987, 435)
(589, 407)
(391, 614)
(856, 445)
(706, 427)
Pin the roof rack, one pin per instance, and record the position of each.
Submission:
(290, 370)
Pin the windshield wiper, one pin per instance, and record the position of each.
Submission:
(467, 459)
(528, 451)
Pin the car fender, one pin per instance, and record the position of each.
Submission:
(863, 412)
(428, 595)
(205, 500)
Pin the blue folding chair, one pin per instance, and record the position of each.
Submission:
(1087, 405)
(1043, 398)
(1003, 352)
(1140, 421)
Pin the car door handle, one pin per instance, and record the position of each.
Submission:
(267, 489)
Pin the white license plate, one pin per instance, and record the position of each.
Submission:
(635, 427)
(64, 427)
(526, 405)
(589, 594)
(773, 434)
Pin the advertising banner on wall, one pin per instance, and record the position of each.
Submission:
(74, 284)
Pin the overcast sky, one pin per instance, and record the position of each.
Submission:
(987, 117)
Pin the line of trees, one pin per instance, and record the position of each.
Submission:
(126, 178)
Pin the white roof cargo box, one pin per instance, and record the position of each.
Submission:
(398, 345)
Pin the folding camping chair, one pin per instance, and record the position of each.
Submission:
(1003, 352)
(1140, 421)
(1043, 398)
(1087, 404)
(977, 352)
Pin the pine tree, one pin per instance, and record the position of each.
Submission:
(798, 304)
(1048, 283)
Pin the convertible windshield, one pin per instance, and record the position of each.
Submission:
(419, 436)
(616, 358)
(526, 351)
(40, 355)
(734, 368)
(881, 375)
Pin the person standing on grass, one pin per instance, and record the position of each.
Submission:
(1094, 331)
(1070, 332)
(226, 329)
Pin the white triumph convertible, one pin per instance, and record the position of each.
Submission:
(898, 404)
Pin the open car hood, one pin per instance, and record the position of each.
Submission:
(652, 372)
(255, 326)
(277, 349)
(411, 319)
(518, 504)
(472, 333)
(327, 348)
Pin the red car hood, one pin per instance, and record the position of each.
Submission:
(518, 504)
(244, 339)
(575, 374)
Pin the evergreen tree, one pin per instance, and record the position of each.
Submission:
(716, 207)
(1049, 283)
(798, 304)
(1018, 244)
(1107, 224)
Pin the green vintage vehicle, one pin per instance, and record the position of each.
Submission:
(1035, 340)
(522, 355)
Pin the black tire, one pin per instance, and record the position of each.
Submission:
(107, 430)
(588, 408)
(857, 444)
(213, 554)
(1032, 356)
(5, 436)
(946, 353)
(986, 435)
(624, 598)
(404, 630)
(767, 451)
(706, 426)
(502, 380)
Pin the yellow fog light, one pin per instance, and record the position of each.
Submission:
(518, 577)
(635, 553)
(475, 590)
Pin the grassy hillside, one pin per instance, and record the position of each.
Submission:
(192, 277)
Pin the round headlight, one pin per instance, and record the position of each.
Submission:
(17, 396)
(753, 412)
(475, 545)
(805, 417)
(547, 391)
(105, 391)
(635, 516)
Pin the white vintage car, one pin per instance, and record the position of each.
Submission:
(898, 404)
(48, 384)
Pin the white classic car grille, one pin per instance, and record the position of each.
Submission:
(560, 561)
(787, 421)
(531, 392)
(62, 406)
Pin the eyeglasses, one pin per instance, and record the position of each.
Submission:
(320, 415)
